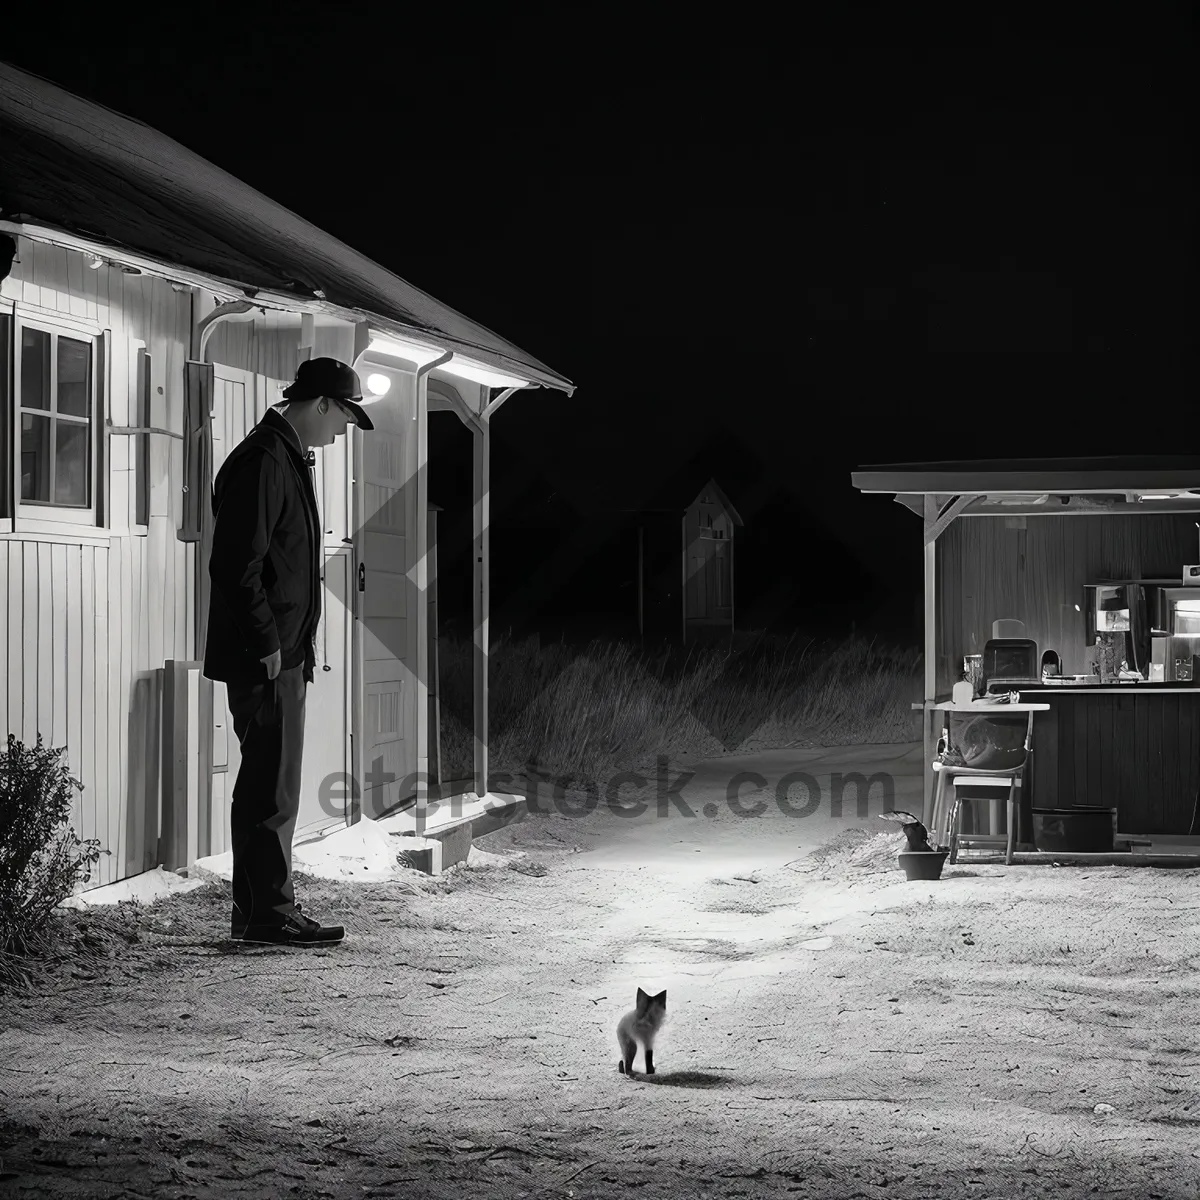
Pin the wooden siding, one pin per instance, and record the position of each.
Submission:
(1137, 753)
(88, 627)
(270, 345)
(1035, 569)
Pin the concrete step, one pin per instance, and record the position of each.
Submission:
(444, 839)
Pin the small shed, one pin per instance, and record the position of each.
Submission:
(685, 561)
(1042, 544)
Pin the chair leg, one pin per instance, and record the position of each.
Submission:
(954, 816)
(939, 794)
(1012, 821)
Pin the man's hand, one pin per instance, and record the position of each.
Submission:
(272, 662)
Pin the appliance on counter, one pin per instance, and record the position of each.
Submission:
(1128, 615)
(1180, 643)
(1010, 664)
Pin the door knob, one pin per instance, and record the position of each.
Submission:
(362, 577)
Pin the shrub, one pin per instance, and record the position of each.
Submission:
(41, 857)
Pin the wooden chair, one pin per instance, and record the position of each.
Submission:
(945, 825)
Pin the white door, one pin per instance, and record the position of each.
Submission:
(324, 786)
(384, 634)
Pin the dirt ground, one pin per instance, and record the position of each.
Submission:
(834, 1031)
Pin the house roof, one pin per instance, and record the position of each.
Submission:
(1148, 474)
(84, 169)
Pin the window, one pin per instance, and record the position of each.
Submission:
(6, 422)
(141, 441)
(55, 372)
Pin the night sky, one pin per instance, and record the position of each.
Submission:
(805, 253)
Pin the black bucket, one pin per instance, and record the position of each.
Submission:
(923, 864)
(1073, 830)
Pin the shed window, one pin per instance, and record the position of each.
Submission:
(51, 375)
(55, 393)
(6, 424)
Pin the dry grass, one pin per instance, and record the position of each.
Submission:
(612, 705)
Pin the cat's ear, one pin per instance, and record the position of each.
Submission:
(661, 998)
(642, 1000)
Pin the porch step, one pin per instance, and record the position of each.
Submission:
(451, 826)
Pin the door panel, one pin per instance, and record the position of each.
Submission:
(326, 730)
(385, 639)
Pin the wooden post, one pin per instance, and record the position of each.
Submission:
(420, 592)
(479, 518)
(435, 691)
(683, 553)
(641, 602)
(930, 689)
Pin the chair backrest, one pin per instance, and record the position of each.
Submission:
(992, 739)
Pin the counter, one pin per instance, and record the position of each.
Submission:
(1134, 747)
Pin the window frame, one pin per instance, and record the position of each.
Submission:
(42, 516)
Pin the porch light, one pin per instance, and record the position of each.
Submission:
(96, 264)
(378, 384)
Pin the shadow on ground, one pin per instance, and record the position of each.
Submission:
(687, 1079)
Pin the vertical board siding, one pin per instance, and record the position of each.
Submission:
(89, 625)
(1138, 754)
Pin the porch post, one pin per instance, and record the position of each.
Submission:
(930, 658)
(420, 618)
(938, 519)
(480, 577)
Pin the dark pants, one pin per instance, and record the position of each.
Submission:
(268, 718)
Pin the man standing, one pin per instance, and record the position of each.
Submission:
(265, 605)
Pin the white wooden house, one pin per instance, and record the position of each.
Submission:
(153, 308)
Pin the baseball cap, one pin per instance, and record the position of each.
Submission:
(317, 377)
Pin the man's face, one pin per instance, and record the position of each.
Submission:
(331, 424)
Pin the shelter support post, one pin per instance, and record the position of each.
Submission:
(480, 518)
(420, 590)
(937, 519)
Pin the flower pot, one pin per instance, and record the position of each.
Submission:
(923, 864)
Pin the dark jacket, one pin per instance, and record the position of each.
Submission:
(265, 565)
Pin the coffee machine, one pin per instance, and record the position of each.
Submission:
(1180, 644)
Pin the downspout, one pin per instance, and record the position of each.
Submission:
(200, 339)
(231, 308)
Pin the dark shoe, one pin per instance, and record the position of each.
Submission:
(297, 930)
